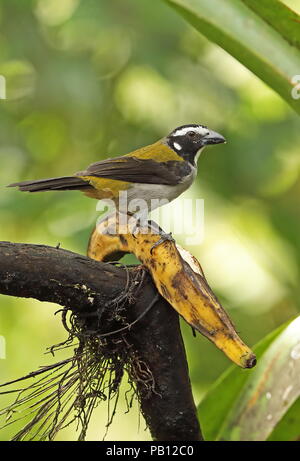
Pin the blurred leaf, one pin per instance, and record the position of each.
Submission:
(20, 78)
(282, 18)
(54, 13)
(69, 105)
(248, 38)
(244, 406)
(139, 94)
(212, 409)
(44, 134)
(288, 429)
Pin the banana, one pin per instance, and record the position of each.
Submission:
(178, 277)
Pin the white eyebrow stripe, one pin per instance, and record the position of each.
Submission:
(199, 129)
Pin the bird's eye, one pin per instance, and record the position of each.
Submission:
(191, 133)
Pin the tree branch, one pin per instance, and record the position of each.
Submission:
(80, 283)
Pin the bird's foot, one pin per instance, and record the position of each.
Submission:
(164, 237)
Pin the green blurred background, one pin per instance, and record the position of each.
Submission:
(90, 79)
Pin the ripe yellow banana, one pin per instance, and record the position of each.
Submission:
(179, 278)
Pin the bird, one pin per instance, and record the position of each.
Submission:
(154, 173)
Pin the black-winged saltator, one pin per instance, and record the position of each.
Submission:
(162, 170)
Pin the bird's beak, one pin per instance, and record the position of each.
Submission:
(213, 138)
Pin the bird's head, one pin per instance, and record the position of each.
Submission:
(188, 141)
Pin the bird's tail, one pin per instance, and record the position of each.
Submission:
(63, 183)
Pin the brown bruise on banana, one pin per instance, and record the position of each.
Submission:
(179, 278)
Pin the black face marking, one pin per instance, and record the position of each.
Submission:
(187, 140)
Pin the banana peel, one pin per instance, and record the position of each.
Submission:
(178, 277)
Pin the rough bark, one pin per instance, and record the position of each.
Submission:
(80, 283)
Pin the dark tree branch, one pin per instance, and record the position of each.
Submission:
(79, 283)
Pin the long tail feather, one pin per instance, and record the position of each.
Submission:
(63, 183)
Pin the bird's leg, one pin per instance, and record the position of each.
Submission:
(154, 227)
(164, 236)
(135, 228)
(128, 221)
(138, 223)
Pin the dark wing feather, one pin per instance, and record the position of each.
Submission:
(133, 169)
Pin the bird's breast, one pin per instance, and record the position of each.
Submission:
(155, 195)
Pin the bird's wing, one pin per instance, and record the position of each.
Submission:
(136, 170)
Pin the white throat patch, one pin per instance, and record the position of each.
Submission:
(199, 129)
(198, 154)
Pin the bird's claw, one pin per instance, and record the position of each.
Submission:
(165, 237)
